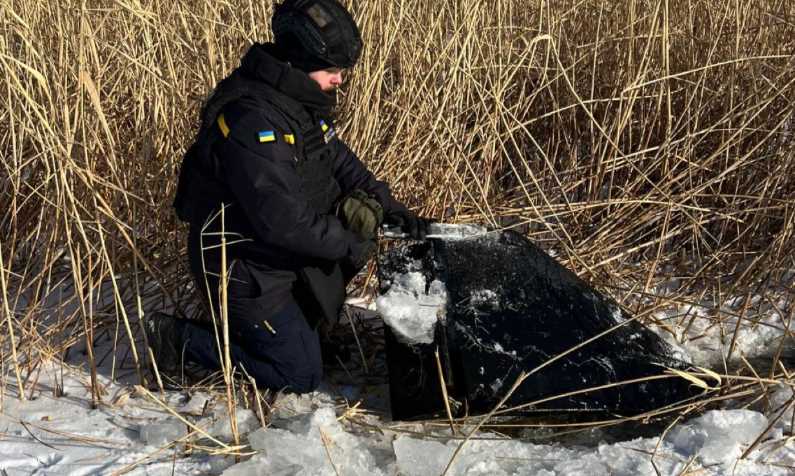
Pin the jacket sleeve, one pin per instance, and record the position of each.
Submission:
(351, 174)
(262, 177)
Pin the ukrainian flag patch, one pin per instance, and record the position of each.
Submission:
(266, 136)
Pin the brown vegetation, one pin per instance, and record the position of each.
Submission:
(638, 139)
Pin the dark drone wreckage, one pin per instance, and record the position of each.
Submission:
(511, 308)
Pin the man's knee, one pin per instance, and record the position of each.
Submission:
(285, 370)
(293, 354)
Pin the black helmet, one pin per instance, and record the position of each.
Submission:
(316, 34)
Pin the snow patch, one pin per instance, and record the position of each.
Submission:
(718, 437)
(160, 433)
(305, 438)
(714, 441)
(703, 336)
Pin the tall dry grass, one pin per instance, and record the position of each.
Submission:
(636, 139)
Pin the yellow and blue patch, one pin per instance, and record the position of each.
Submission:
(328, 131)
(266, 136)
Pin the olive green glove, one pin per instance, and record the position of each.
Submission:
(366, 251)
(361, 214)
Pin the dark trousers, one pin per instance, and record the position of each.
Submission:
(283, 354)
(268, 332)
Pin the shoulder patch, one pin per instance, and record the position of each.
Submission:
(255, 127)
(247, 125)
(328, 131)
(266, 136)
(222, 125)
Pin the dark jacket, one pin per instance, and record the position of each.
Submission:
(268, 150)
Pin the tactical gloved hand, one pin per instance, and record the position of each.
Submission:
(415, 226)
(362, 253)
(361, 214)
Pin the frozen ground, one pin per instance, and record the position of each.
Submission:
(705, 333)
(324, 433)
(314, 435)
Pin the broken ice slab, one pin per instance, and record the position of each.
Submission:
(442, 231)
(510, 307)
(161, 433)
(310, 444)
(196, 405)
(411, 307)
(718, 436)
(222, 429)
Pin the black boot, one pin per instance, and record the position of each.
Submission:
(164, 335)
(333, 348)
(334, 352)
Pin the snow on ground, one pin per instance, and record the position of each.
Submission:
(713, 441)
(131, 433)
(312, 435)
(64, 435)
(705, 334)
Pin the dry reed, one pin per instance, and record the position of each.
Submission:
(636, 139)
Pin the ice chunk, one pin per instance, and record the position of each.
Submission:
(409, 310)
(421, 457)
(195, 406)
(490, 457)
(291, 404)
(219, 463)
(450, 231)
(246, 421)
(253, 467)
(781, 397)
(442, 231)
(161, 433)
(313, 444)
(719, 436)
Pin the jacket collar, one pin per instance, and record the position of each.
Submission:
(262, 62)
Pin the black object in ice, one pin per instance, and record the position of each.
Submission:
(511, 307)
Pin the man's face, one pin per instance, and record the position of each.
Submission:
(328, 79)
